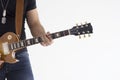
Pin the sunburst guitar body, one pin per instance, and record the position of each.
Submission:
(7, 54)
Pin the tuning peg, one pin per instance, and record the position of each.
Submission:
(84, 35)
(79, 37)
(89, 35)
(82, 25)
(86, 22)
(77, 25)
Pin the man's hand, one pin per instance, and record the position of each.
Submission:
(47, 40)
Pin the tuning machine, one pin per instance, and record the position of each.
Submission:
(79, 35)
(81, 24)
(88, 32)
(84, 34)
(85, 24)
(77, 26)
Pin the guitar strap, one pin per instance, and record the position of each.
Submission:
(19, 16)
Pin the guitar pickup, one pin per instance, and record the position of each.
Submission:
(5, 48)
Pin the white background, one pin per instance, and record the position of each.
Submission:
(70, 58)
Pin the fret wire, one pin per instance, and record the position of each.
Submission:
(36, 40)
(22, 43)
(31, 41)
(28, 42)
(56, 35)
(18, 45)
(14, 45)
(53, 36)
(69, 32)
(60, 34)
(11, 47)
(66, 32)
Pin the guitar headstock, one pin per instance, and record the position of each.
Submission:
(82, 29)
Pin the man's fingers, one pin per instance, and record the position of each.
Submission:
(47, 40)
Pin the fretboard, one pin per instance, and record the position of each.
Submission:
(32, 41)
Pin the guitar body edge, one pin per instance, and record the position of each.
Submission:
(8, 37)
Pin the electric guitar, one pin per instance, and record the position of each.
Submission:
(9, 42)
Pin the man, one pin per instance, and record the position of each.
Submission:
(20, 70)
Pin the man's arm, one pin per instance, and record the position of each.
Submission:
(36, 28)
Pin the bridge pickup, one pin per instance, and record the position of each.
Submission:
(5, 48)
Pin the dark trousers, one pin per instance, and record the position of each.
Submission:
(18, 71)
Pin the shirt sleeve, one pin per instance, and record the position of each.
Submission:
(31, 4)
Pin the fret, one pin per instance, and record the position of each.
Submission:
(14, 45)
(39, 39)
(31, 41)
(22, 44)
(18, 45)
(60, 34)
(36, 40)
(57, 34)
(69, 32)
(28, 42)
(66, 32)
(11, 46)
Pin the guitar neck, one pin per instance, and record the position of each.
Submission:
(60, 34)
(32, 41)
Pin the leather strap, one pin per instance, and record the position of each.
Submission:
(19, 16)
